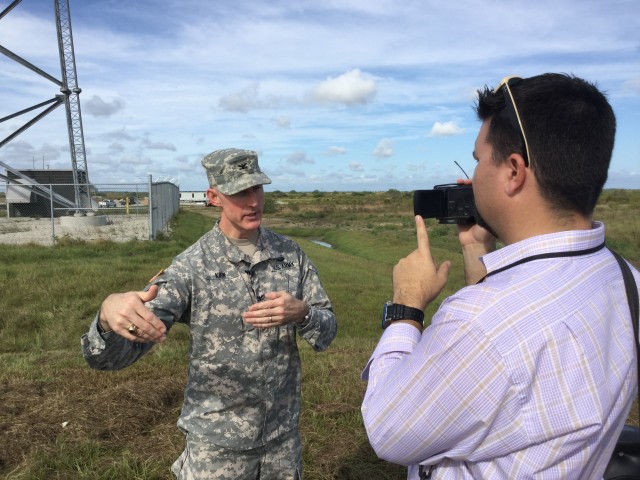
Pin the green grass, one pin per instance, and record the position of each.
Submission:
(122, 424)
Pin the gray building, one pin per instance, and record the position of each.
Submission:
(22, 201)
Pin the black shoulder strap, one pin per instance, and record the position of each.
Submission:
(632, 298)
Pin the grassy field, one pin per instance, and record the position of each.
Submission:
(61, 420)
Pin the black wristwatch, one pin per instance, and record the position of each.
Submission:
(395, 311)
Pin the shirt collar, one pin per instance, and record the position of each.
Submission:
(567, 241)
(235, 255)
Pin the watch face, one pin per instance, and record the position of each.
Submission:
(384, 314)
(389, 313)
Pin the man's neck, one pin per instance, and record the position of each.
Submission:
(245, 238)
(248, 246)
(541, 223)
(237, 234)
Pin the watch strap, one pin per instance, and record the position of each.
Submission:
(398, 311)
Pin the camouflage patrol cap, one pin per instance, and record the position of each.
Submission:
(232, 170)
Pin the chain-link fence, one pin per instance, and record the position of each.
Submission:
(117, 212)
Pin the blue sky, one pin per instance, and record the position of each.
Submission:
(334, 95)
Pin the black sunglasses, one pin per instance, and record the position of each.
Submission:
(511, 106)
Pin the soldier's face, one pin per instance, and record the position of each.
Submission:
(241, 213)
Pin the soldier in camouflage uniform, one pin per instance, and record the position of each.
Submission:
(244, 291)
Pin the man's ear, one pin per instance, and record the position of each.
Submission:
(213, 197)
(516, 173)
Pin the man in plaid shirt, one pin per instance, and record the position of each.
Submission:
(528, 371)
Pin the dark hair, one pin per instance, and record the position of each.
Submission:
(570, 129)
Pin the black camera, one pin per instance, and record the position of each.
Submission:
(450, 203)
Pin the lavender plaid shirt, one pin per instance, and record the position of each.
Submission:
(530, 374)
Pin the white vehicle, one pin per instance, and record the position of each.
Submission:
(107, 204)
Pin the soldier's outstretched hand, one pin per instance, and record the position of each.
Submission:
(127, 315)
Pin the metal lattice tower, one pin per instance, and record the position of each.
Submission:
(71, 91)
(70, 96)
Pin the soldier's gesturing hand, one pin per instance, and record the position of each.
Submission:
(278, 308)
(127, 315)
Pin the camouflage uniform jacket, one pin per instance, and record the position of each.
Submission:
(243, 386)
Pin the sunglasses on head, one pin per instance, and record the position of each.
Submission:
(513, 110)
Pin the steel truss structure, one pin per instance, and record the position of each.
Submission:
(69, 96)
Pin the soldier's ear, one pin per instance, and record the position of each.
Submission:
(213, 197)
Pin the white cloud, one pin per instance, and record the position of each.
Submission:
(116, 147)
(445, 129)
(144, 67)
(283, 121)
(23, 155)
(97, 107)
(384, 149)
(356, 166)
(157, 145)
(120, 135)
(299, 158)
(336, 150)
(242, 101)
(350, 88)
(249, 98)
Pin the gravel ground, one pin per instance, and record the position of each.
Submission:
(119, 228)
